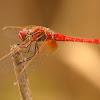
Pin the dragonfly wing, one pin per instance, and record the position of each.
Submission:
(29, 26)
(6, 63)
(40, 56)
(11, 32)
(19, 27)
(52, 44)
(45, 48)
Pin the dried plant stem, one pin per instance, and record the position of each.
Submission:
(22, 81)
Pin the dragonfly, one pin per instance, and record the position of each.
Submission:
(34, 35)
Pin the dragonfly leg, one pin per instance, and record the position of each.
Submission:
(36, 48)
(29, 45)
(28, 49)
(18, 44)
(35, 51)
(24, 44)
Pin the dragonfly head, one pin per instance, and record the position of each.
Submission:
(23, 34)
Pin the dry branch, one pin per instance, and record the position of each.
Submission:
(22, 80)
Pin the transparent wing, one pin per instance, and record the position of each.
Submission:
(19, 27)
(45, 48)
(11, 32)
(9, 36)
(6, 64)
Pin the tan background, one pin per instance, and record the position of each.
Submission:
(73, 71)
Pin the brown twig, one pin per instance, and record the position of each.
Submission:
(22, 80)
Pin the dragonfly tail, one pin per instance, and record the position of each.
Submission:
(60, 37)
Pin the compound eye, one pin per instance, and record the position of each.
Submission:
(24, 32)
(21, 36)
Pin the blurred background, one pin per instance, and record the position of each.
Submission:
(73, 71)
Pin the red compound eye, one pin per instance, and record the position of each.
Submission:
(23, 34)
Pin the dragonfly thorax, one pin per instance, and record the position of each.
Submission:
(38, 34)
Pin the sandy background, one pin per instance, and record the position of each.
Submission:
(73, 71)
